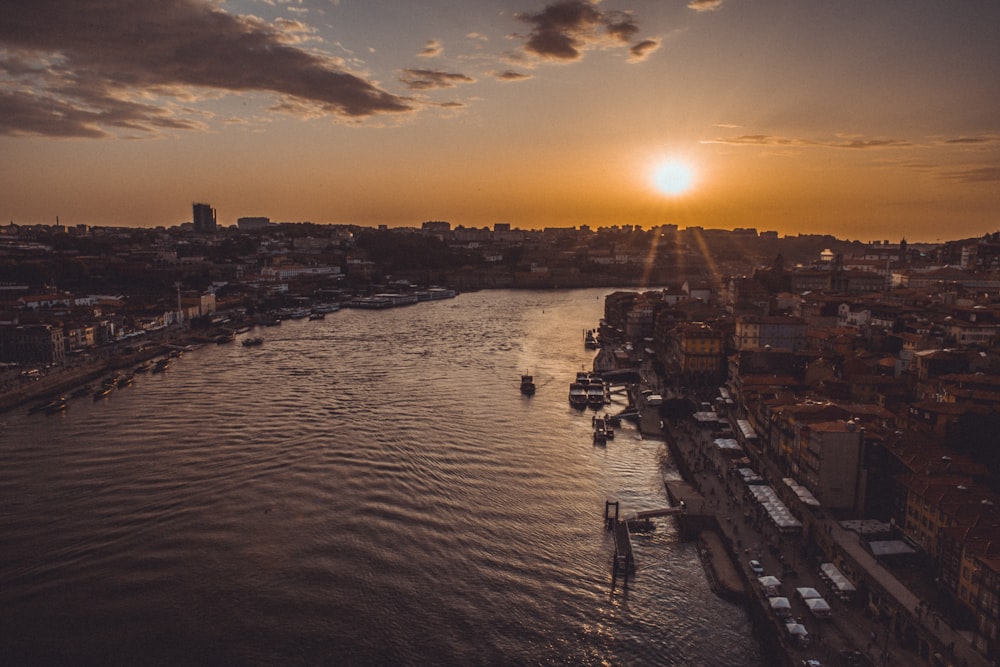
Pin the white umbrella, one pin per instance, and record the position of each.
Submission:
(769, 581)
(796, 629)
(781, 606)
(818, 606)
(807, 593)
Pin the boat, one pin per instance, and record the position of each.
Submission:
(596, 394)
(578, 395)
(590, 340)
(125, 381)
(268, 320)
(602, 432)
(58, 405)
(313, 316)
(527, 385)
(80, 391)
(161, 365)
(252, 342)
(605, 425)
(48, 406)
(143, 367)
(102, 392)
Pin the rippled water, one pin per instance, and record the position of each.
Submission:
(367, 489)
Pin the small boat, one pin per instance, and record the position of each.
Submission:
(143, 367)
(527, 385)
(125, 381)
(252, 342)
(102, 392)
(596, 394)
(57, 405)
(227, 337)
(590, 340)
(80, 391)
(604, 424)
(601, 431)
(161, 365)
(313, 316)
(578, 395)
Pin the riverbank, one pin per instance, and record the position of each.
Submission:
(58, 381)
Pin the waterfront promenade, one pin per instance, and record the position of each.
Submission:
(18, 389)
(733, 529)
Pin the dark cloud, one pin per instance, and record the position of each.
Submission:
(766, 140)
(974, 175)
(642, 50)
(511, 75)
(427, 79)
(565, 30)
(81, 68)
(983, 140)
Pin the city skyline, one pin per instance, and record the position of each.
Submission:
(861, 120)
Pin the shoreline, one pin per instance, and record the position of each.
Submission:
(66, 379)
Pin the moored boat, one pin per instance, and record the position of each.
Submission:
(596, 394)
(251, 342)
(600, 431)
(80, 391)
(527, 385)
(58, 405)
(578, 395)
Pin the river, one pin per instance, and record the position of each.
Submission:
(369, 489)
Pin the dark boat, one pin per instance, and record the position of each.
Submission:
(251, 342)
(590, 340)
(102, 392)
(161, 365)
(578, 395)
(527, 385)
(602, 432)
(80, 391)
(55, 405)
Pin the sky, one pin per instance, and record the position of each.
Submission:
(865, 120)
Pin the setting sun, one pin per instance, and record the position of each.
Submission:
(673, 177)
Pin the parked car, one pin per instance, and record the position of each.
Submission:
(756, 568)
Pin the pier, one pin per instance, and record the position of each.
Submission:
(624, 558)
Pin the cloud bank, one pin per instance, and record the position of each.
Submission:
(767, 140)
(89, 67)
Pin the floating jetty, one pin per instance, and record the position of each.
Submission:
(624, 558)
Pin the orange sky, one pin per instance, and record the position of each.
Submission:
(852, 118)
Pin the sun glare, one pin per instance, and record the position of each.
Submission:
(673, 178)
